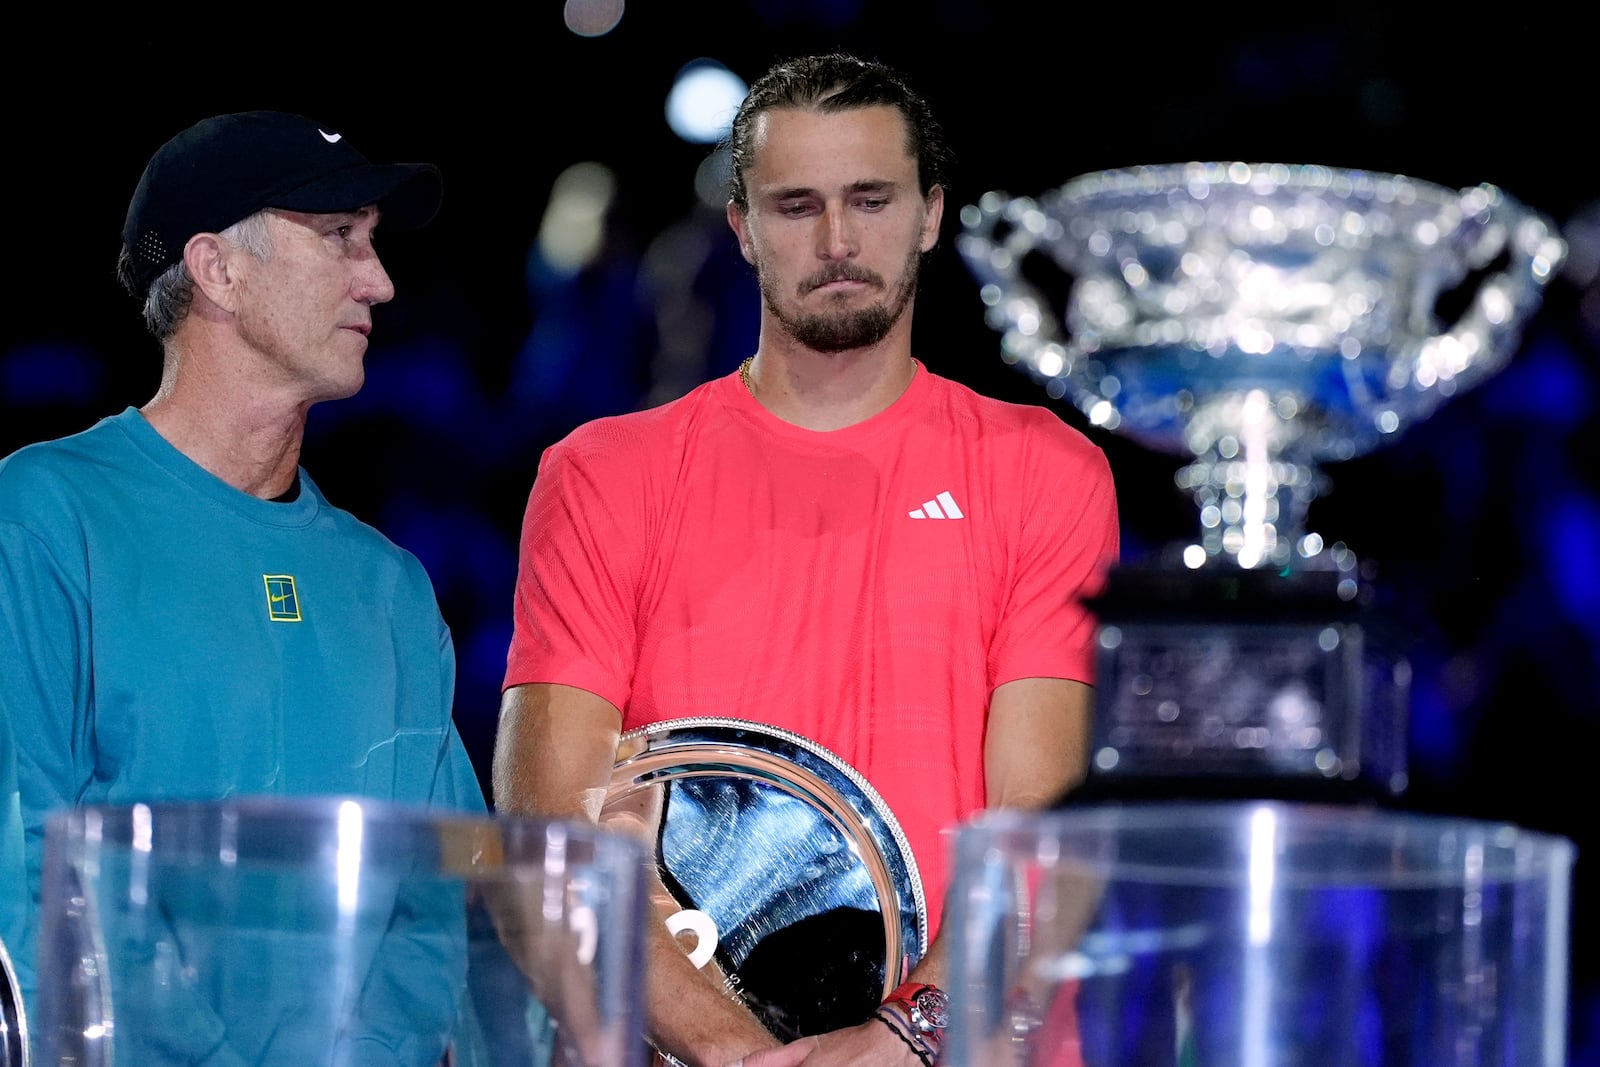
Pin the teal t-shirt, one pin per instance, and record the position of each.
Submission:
(164, 636)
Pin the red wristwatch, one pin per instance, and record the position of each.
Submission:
(927, 1007)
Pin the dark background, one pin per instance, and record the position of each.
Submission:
(1482, 524)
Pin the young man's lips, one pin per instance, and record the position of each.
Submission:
(841, 283)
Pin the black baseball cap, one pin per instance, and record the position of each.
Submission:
(228, 167)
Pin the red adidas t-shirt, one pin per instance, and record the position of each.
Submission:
(866, 588)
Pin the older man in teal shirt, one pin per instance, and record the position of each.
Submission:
(183, 615)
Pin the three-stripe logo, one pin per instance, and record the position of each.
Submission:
(942, 506)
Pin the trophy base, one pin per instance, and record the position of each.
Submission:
(1241, 682)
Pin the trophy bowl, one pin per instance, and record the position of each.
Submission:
(1258, 319)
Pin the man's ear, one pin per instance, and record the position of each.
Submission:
(209, 260)
(934, 208)
(741, 230)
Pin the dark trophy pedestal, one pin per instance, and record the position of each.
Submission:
(1225, 683)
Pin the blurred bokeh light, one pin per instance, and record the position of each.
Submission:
(703, 100)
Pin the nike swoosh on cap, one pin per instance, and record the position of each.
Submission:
(331, 138)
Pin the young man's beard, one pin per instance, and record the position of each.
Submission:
(846, 330)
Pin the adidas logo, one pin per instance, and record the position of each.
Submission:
(942, 506)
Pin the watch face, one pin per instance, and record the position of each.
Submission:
(934, 1006)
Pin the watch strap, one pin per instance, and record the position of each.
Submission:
(925, 1004)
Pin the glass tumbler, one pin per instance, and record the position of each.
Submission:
(1256, 934)
(338, 932)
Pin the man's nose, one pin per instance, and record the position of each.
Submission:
(836, 237)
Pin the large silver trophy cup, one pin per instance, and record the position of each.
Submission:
(1260, 320)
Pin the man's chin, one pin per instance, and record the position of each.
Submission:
(343, 389)
(835, 334)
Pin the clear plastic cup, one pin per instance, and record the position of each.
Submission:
(337, 932)
(1256, 934)
(13, 1020)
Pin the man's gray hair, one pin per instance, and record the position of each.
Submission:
(167, 303)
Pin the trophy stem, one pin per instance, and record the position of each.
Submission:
(1252, 499)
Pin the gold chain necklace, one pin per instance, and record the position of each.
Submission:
(744, 373)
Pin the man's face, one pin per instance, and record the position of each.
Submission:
(836, 224)
(307, 309)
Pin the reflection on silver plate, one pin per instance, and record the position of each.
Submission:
(13, 1024)
(815, 897)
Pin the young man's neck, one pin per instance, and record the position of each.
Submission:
(828, 390)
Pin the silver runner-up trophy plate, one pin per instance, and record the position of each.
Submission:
(1261, 321)
(788, 880)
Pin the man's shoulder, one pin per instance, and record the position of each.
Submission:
(349, 524)
(49, 464)
(1033, 424)
(636, 436)
(367, 544)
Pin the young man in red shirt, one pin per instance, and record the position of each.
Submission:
(832, 540)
